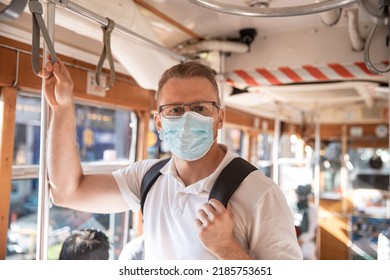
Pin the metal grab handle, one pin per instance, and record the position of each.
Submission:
(38, 25)
(107, 30)
(384, 6)
(273, 12)
(13, 10)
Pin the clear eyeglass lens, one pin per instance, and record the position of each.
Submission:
(177, 110)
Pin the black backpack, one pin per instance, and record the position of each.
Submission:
(224, 186)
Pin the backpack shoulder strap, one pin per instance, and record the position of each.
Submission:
(226, 184)
(230, 178)
(150, 177)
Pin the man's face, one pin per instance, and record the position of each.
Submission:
(179, 91)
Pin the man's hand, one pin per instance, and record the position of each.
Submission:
(58, 85)
(214, 225)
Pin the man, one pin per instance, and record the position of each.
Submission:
(179, 221)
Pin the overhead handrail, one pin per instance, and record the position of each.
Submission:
(274, 11)
(384, 6)
(107, 30)
(69, 5)
(38, 25)
(13, 10)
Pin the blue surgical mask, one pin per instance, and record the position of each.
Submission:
(189, 137)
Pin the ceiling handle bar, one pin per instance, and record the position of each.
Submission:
(384, 6)
(274, 11)
(38, 26)
(69, 5)
(106, 53)
(13, 10)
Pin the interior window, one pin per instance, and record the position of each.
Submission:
(105, 135)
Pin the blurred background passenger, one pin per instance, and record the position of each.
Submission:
(86, 244)
(134, 250)
(307, 227)
(384, 245)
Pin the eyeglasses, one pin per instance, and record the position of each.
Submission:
(175, 111)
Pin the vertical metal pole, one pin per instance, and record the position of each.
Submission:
(43, 194)
(112, 225)
(316, 179)
(388, 133)
(254, 143)
(275, 148)
(126, 225)
(221, 87)
(343, 169)
(317, 147)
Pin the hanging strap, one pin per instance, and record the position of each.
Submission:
(13, 10)
(230, 179)
(384, 6)
(107, 30)
(39, 25)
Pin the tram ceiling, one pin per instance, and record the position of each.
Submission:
(294, 64)
(343, 102)
(309, 64)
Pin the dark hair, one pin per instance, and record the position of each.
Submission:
(303, 192)
(87, 244)
(186, 70)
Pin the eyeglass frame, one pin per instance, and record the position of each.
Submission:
(183, 105)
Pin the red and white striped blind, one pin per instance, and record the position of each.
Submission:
(306, 73)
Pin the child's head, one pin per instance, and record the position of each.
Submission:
(87, 244)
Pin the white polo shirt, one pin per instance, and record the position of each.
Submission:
(263, 221)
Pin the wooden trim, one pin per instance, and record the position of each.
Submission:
(143, 129)
(124, 94)
(7, 128)
(252, 153)
(374, 143)
(237, 118)
(7, 66)
(246, 121)
(333, 227)
(329, 131)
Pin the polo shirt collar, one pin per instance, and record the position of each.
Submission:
(208, 182)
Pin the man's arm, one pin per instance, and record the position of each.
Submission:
(214, 225)
(69, 186)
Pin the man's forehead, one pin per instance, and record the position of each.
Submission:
(184, 87)
(201, 81)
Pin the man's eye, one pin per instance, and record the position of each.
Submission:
(199, 109)
(176, 110)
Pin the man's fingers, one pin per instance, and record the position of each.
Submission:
(57, 72)
(63, 69)
(49, 66)
(220, 208)
(217, 205)
(202, 216)
(210, 211)
(207, 207)
(198, 224)
(44, 73)
(62, 75)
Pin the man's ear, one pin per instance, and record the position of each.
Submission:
(157, 121)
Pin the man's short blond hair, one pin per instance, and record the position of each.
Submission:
(187, 70)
